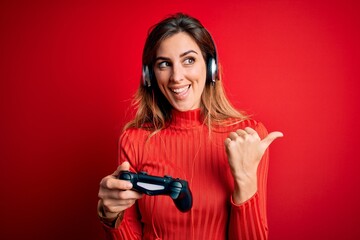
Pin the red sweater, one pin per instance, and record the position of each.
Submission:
(186, 150)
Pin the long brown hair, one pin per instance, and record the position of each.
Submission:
(153, 109)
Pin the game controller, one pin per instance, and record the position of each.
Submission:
(176, 188)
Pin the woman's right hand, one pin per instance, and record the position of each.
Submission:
(116, 195)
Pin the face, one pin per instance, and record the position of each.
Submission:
(180, 71)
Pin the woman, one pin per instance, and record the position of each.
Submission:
(185, 127)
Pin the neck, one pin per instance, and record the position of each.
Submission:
(191, 118)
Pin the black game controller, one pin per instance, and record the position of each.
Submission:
(176, 188)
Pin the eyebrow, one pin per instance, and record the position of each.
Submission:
(181, 55)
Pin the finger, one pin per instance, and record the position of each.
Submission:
(271, 137)
(116, 206)
(125, 166)
(241, 132)
(117, 201)
(233, 135)
(112, 183)
(227, 141)
(251, 131)
(122, 194)
(130, 195)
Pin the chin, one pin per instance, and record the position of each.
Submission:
(184, 108)
(180, 108)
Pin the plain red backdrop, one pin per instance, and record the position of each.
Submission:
(68, 70)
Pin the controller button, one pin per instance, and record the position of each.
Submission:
(176, 184)
(126, 176)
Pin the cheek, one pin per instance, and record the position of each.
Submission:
(199, 74)
(161, 78)
(162, 81)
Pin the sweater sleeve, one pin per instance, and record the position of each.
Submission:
(129, 227)
(248, 221)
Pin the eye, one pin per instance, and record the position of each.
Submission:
(189, 61)
(163, 64)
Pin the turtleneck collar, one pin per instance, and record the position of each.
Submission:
(188, 119)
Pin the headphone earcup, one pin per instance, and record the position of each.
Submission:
(212, 70)
(146, 80)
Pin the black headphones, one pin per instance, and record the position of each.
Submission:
(212, 71)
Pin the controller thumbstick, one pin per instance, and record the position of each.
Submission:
(125, 175)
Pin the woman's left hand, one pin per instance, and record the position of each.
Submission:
(245, 149)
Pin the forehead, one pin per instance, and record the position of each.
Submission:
(177, 44)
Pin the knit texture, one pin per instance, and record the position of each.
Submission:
(186, 150)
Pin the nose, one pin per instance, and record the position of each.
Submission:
(177, 73)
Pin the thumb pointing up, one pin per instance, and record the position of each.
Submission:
(270, 138)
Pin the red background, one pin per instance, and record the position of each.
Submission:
(69, 69)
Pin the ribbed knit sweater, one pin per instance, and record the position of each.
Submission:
(186, 150)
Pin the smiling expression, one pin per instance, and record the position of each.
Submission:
(180, 71)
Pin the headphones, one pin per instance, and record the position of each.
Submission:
(212, 71)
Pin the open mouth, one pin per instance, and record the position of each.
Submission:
(180, 91)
